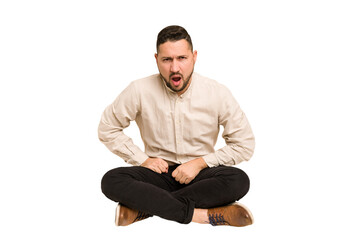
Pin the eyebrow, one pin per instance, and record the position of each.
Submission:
(176, 57)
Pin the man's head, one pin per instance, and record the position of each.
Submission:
(175, 58)
(173, 33)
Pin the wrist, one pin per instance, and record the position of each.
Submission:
(200, 162)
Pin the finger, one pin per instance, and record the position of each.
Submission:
(178, 177)
(175, 173)
(163, 162)
(165, 166)
(183, 180)
(162, 168)
(159, 163)
(188, 180)
(156, 169)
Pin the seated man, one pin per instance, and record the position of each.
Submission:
(179, 176)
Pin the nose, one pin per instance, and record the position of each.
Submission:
(174, 67)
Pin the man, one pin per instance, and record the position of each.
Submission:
(180, 176)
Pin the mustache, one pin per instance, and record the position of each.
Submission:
(176, 73)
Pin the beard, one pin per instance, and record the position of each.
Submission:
(185, 81)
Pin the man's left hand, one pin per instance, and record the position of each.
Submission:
(186, 172)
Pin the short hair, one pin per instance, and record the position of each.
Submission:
(173, 33)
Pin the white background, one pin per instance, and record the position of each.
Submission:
(292, 65)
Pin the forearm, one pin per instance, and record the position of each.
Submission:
(240, 144)
(124, 147)
(110, 133)
(230, 155)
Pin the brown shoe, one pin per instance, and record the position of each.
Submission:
(125, 216)
(234, 215)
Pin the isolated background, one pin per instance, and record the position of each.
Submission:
(292, 65)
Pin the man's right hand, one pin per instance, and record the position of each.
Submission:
(158, 165)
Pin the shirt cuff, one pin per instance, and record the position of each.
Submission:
(138, 158)
(211, 160)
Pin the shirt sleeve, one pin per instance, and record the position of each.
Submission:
(239, 138)
(115, 119)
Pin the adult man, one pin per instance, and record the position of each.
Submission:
(179, 177)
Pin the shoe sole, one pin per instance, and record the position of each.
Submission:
(248, 210)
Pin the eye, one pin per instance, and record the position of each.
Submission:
(182, 58)
(166, 59)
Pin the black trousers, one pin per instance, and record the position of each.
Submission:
(161, 195)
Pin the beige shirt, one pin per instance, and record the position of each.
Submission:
(177, 128)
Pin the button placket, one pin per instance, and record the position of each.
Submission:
(178, 129)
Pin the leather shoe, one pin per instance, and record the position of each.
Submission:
(234, 215)
(125, 216)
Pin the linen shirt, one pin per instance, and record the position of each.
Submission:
(177, 128)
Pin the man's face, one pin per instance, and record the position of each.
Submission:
(176, 64)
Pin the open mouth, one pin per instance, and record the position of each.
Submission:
(176, 80)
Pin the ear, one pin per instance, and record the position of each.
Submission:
(156, 57)
(195, 55)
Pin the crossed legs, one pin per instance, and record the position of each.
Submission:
(159, 194)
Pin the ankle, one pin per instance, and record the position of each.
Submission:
(200, 216)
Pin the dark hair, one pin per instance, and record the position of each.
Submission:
(173, 33)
